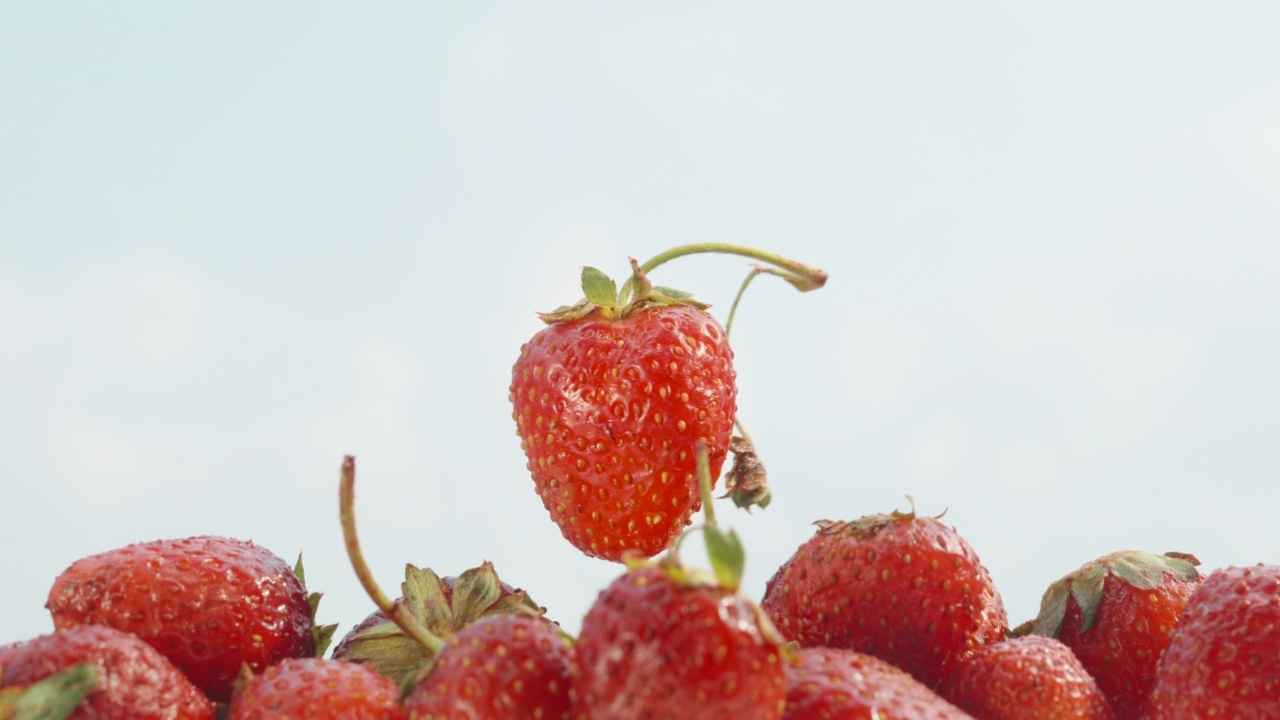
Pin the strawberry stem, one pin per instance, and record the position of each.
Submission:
(398, 612)
(803, 277)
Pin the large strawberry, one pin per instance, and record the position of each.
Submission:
(210, 604)
(611, 396)
(839, 684)
(901, 587)
(608, 400)
(1025, 678)
(1117, 614)
(131, 680)
(317, 689)
(1223, 660)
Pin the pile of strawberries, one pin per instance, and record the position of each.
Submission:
(625, 404)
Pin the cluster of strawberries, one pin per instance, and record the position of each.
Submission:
(626, 406)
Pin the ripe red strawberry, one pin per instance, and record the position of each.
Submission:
(904, 588)
(133, 680)
(658, 645)
(209, 604)
(443, 606)
(501, 667)
(1116, 614)
(317, 689)
(1223, 660)
(839, 684)
(609, 400)
(1025, 678)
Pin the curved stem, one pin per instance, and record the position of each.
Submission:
(397, 612)
(803, 277)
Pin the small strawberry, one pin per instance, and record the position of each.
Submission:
(132, 681)
(904, 588)
(1025, 678)
(209, 604)
(663, 642)
(443, 606)
(502, 667)
(1223, 660)
(610, 397)
(1116, 614)
(317, 689)
(839, 684)
(510, 664)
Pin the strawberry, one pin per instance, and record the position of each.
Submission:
(502, 667)
(209, 604)
(609, 399)
(904, 588)
(132, 680)
(839, 684)
(657, 644)
(1223, 660)
(317, 689)
(443, 606)
(1116, 614)
(1025, 678)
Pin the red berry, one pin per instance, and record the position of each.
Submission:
(317, 689)
(609, 407)
(839, 684)
(501, 667)
(1116, 614)
(659, 648)
(1223, 660)
(209, 604)
(906, 589)
(134, 681)
(1025, 678)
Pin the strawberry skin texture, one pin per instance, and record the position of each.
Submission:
(1026, 678)
(1223, 660)
(135, 682)
(317, 689)
(652, 648)
(501, 667)
(906, 589)
(838, 684)
(608, 412)
(1132, 629)
(210, 604)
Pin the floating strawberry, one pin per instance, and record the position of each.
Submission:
(1025, 678)
(1117, 614)
(839, 684)
(663, 642)
(317, 689)
(904, 588)
(610, 398)
(511, 664)
(1223, 660)
(130, 680)
(209, 604)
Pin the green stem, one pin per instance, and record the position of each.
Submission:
(704, 481)
(803, 277)
(397, 612)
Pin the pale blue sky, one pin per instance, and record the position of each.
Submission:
(240, 240)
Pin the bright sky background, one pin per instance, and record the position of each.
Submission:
(240, 240)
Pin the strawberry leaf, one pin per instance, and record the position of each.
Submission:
(52, 698)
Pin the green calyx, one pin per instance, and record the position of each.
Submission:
(321, 635)
(602, 296)
(1141, 570)
(725, 551)
(439, 609)
(51, 698)
(868, 525)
